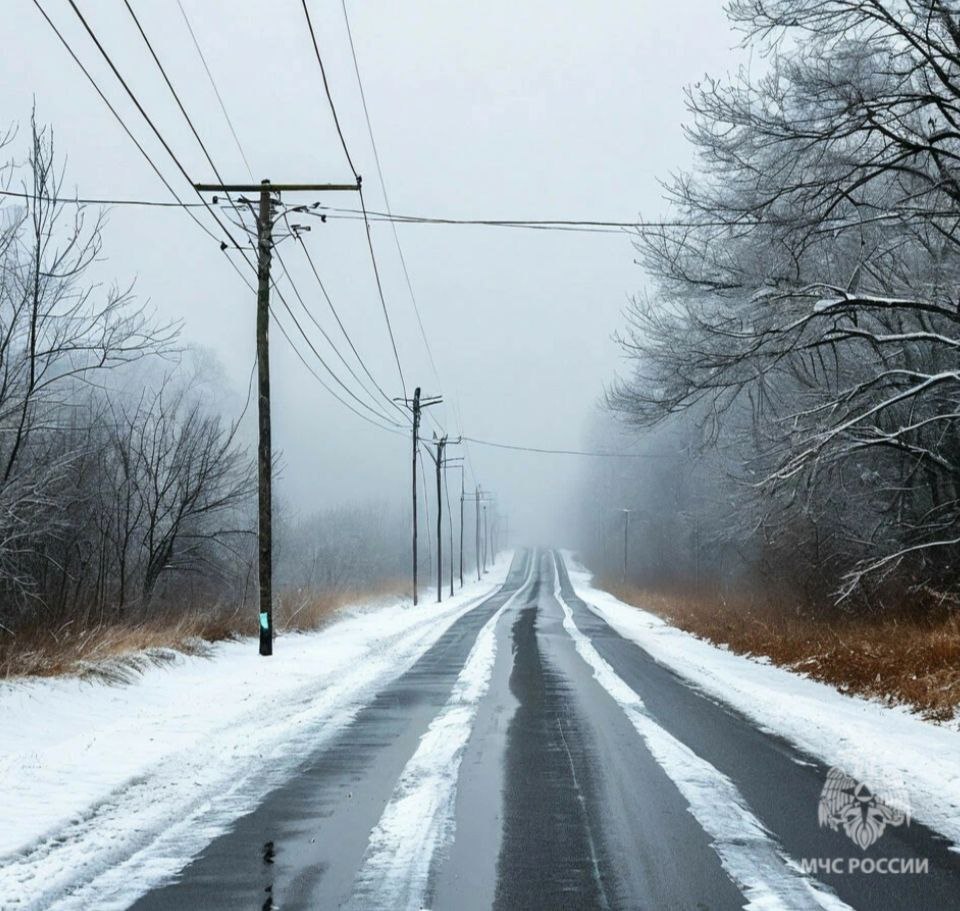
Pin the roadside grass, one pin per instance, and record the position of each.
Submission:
(908, 658)
(118, 650)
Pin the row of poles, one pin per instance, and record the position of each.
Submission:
(485, 537)
(269, 196)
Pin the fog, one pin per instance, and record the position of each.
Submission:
(545, 110)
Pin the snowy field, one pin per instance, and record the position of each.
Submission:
(890, 743)
(108, 783)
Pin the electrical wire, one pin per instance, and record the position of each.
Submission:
(319, 357)
(216, 90)
(363, 205)
(386, 198)
(146, 116)
(339, 321)
(153, 165)
(570, 452)
(331, 213)
(183, 111)
(216, 171)
(180, 167)
(319, 379)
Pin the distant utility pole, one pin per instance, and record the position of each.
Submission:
(479, 499)
(626, 541)
(451, 463)
(476, 536)
(441, 444)
(264, 450)
(486, 537)
(462, 496)
(416, 405)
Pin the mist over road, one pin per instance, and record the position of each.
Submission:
(535, 759)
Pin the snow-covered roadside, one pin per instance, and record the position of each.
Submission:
(890, 741)
(117, 787)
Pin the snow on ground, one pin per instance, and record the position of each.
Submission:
(747, 852)
(106, 785)
(846, 731)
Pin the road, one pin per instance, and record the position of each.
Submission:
(535, 759)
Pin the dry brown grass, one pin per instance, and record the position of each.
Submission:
(117, 651)
(912, 658)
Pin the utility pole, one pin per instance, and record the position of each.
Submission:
(446, 487)
(462, 495)
(478, 499)
(441, 445)
(416, 406)
(476, 537)
(626, 538)
(416, 433)
(264, 445)
(264, 215)
(486, 535)
(439, 461)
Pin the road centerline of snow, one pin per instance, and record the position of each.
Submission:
(419, 819)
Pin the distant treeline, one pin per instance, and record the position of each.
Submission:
(797, 357)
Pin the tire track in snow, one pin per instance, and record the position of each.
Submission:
(419, 819)
(751, 857)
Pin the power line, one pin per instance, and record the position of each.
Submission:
(570, 452)
(180, 203)
(319, 379)
(319, 357)
(332, 213)
(173, 91)
(339, 321)
(293, 285)
(153, 165)
(213, 84)
(383, 187)
(326, 88)
(346, 389)
(180, 105)
(363, 205)
(147, 117)
(85, 201)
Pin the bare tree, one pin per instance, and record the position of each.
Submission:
(815, 286)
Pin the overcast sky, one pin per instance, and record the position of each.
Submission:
(546, 109)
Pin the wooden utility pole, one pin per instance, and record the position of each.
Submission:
(439, 462)
(264, 445)
(479, 535)
(416, 406)
(441, 445)
(416, 444)
(446, 488)
(626, 540)
(476, 535)
(264, 215)
(486, 529)
(462, 495)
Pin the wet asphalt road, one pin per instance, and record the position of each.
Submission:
(556, 801)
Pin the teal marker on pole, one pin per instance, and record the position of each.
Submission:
(264, 620)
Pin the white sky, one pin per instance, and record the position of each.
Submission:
(494, 109)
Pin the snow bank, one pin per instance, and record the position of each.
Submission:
(102, 782)
(814, 716)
